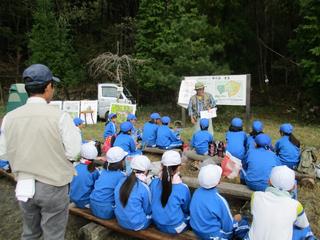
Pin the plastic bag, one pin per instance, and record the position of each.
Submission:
(231, 166)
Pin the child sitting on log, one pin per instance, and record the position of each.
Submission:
(149, 134)
(200, 140)
(236, 139)
(83, 183)
(287, 147)
(258, 164)
(257, 128)
(210, 215)
(102, 197)
(125, 141)
(133, 198)
(166, 138)
(276, 215)
(170, 196)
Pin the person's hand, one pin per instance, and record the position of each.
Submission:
(193, 121)
(237, 217)
(138, 145)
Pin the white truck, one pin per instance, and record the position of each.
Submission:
(112, 93)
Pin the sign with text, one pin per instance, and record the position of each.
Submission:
(226, 89)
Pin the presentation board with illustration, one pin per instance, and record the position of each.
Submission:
(122, 110)
(226, 89)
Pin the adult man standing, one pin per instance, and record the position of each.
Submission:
(39, 140)
(201, 101)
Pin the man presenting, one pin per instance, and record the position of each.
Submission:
(201, 101)
(39, 141)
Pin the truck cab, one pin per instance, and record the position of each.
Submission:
(111, 93)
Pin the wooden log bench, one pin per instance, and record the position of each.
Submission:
(150, 233)
(158, 150)
(226, 189)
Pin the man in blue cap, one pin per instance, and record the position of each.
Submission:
(201, 101)
(39, 140)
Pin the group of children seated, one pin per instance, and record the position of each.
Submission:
(155, 133)
(138, 199)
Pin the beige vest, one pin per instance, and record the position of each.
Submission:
(34, 144)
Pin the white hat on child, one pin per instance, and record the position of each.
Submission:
(115, 154)
(209, 176)
(171, 158)
(283, 178)
(89, 151)
(141, 163)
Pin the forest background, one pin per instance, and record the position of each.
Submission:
(276, 41)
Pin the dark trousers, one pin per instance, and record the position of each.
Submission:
(46, 214)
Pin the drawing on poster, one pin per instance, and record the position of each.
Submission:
(122, 110)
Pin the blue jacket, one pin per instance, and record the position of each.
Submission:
(109, 130)
(165, 136)
(258, 166)
(149, 135)
(136, 215)
(200, 141)
(236, 143)
(288, 153)
(251, 144)
(82, 185)
(102, 197)
(126, 142)
(177, 209)
(210, 215)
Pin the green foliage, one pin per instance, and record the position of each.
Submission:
(175, 39)
(50, 44)
(306, 45)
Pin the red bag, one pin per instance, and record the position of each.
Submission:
(231, 166)
(108, 143)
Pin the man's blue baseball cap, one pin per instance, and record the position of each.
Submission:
(165, 120)
(257, 126)
(126, 126)
(155, 116)
(204, 122)
(77, 121)
(236, 122)
(131, 116)
(286, 128)
(38, 74)
(263, 140)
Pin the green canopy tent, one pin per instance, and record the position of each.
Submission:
(17, 96)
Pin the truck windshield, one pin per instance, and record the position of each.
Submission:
(109, 92)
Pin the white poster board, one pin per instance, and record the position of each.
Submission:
(57, 104)
(226, 89)
(72, 107)
(88, 111)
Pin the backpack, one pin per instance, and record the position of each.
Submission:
(308, 161)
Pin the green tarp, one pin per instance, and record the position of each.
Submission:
(17, 96)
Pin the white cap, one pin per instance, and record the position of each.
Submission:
(115, 154)
(283, 178)
(89, 151)
(209, 176)
(171, 158)
(141, 163)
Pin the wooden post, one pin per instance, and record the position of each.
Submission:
(183, 116)
(248, 91)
